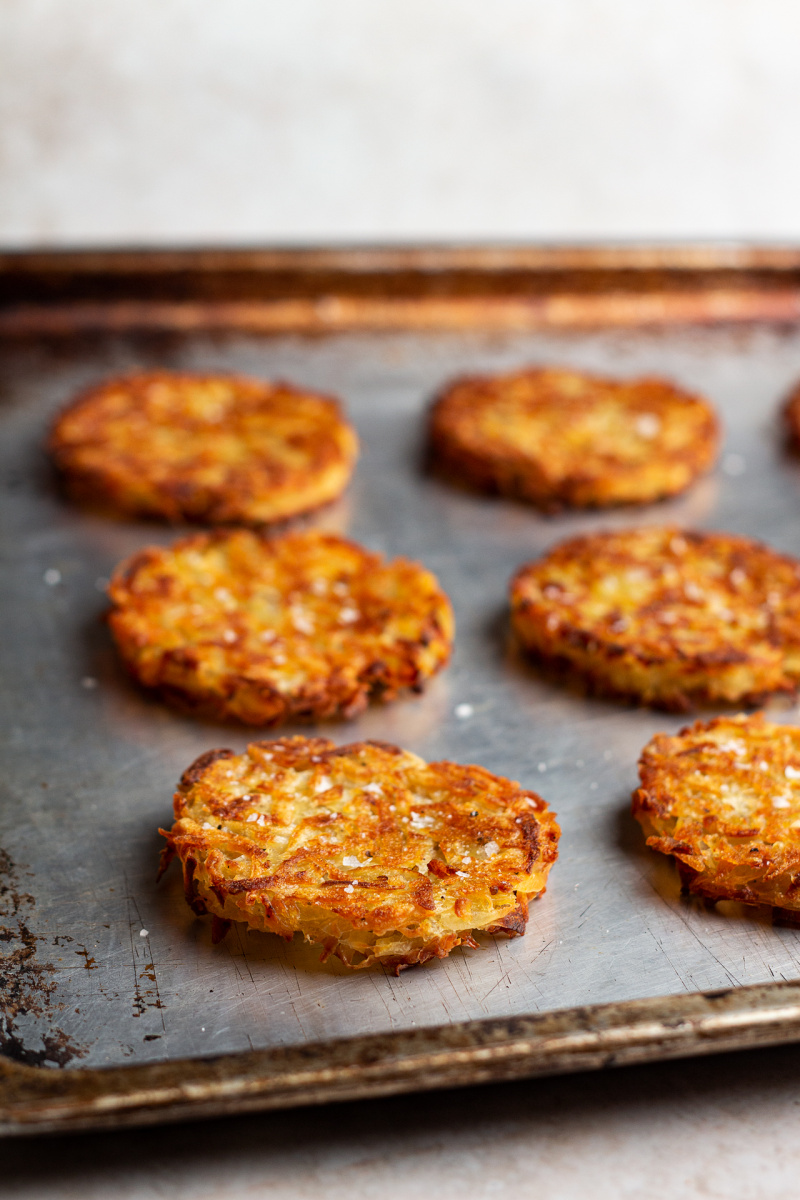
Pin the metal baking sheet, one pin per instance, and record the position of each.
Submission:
(105, 969)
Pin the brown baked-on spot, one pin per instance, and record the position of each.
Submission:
(262, 630)
(559, 438)
(365, 849)
(201, 765)
(791, 417)
(664, 616)
(723, 799)
(219, 449)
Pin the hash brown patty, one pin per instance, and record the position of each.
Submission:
(723, 798)
(234, 624)
(563, 438)
(220, 449)
(664, 616)
(365, 849)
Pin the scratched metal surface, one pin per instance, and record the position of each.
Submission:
(103, 967)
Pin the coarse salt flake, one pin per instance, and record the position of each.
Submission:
(52, 576)
(323, 784)
(791, 772)
(463, 711)
(144, 933)
(648, 425)
(490, 849)
(348, 615)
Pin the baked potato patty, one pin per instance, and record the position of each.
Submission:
(234, 624)
(723, 798)
(665, 616)
(365, 849)
(563, 438)
(214, 448)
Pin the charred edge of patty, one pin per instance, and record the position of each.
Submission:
(790, 415)
(265, 705)
(563, 670)
(97, 493)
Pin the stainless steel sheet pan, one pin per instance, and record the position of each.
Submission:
(116, 1006)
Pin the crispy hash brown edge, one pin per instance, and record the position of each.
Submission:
(580, 654)
(520, 475)
(121, 489)
(184, 681)
(791, 418)
(263, 904)
(719, 858)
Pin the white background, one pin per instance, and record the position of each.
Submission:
(247, 121)
(253, 121)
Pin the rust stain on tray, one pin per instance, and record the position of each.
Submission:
(337, 313)
(26, 985)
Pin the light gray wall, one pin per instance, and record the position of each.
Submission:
(250, 120)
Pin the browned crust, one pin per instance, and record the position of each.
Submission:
(341, 625)
(216, 449)
(718, 799)
(663, 616)
(365, 849)
(791, 417)
(559, 438)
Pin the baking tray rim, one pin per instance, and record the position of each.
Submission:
(36, 287)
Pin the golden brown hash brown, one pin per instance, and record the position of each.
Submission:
(723, 798)
(215, 448)
(664, 616)
(308, 625)
(558, 437)
(365, 849)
